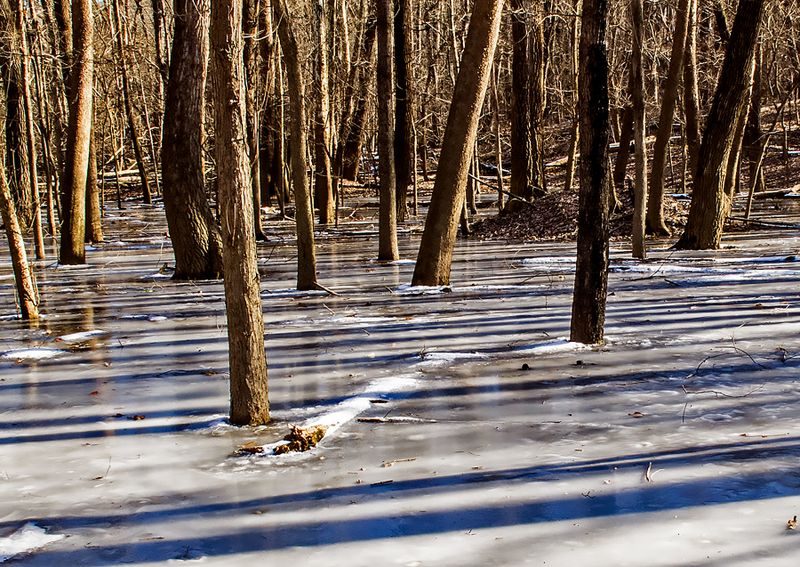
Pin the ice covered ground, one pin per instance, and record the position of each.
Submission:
(463, 428)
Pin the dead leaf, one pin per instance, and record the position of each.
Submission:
(637, 414)
(249, 448)
(301, 440)
(136, 417)
(792, 524)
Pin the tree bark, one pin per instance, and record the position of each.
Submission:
(404, 104)
(387, 230)
(637, 94)
(247, 359)
(438, 240)
(655, 206)
(323, 179)
(710, 204)
(27, 293)
(73, 249)
(306, 254)
(522, 166)
(196, 241)
(252, 93)
(591, 272)
(691, 90)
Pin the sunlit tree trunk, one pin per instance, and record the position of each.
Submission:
(246, 355)
(637, 94)
(404, 104)
(306, 253)
(252, 94)
(438, 240)
(691, 90)
(591, 272)
(655, 207)
(387, 237)
(196, 240)
(73, 249)
(323, 180)
(27, 292)
(710, 205)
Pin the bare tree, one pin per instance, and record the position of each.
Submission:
(591, 272)
(27, 293)
(196, 240)
(387, 238)
(438, 239)
(247, 359)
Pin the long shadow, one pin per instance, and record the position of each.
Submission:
(646, 499)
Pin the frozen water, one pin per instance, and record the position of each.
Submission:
(28, 538)
(464, 429)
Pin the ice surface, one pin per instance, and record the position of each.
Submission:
(32, 354)
(464, 428)
(81, 336)
(28, 538)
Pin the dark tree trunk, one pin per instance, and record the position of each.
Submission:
(404, 116)
(591, 272)
(196, 240)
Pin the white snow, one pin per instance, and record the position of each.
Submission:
(81, 336)
(29, 537)
(33, 354)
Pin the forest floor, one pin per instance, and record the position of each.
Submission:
(462, 428)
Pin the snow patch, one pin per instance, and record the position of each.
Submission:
(435, 359)
(407, 289)
(28, 538)
(82, 336)
(554, 346)
(291, 292)
(33, 354)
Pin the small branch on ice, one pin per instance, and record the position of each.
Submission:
(647, 473)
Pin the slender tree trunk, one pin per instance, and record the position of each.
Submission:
(691, 90)
(591, 272)
(655, 206)
(522, 166)
(626, 136)
(637, 95)
(133, 127)
(73, 249)
(404, 117)
(94, 212)
(710, 205)
(253, 90)
(27, 104)
(306, 254)
(387, 238)
(196, 241)
(27, 293)
(438, 240)
(323, 179)
(248, 363)
(576, 123)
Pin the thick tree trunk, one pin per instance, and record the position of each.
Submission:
(655, 206)
(306, 253)
(438, 240)
(247, 359)
(73, 249)
(522, 166)
(591, 272)
(196, 240)
(27, 293)
(710, 205)
(387, 232)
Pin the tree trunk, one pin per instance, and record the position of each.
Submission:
(16, 150)
(710, 205)
(637, 95)
(387, 233)
(591, 271)
(576, 123)
(752, 131)
(247, 359)
(522, 166)
(133, 126)
(404, 117)
(626, 136)
(94, 212)
(691, 90)
(196, 241)
(27, 293)
(252, 93)
(438, 240)
(323, 179)
(306, 254)
(655, 206)
(73, 249)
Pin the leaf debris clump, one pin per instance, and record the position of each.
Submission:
(301, 439)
